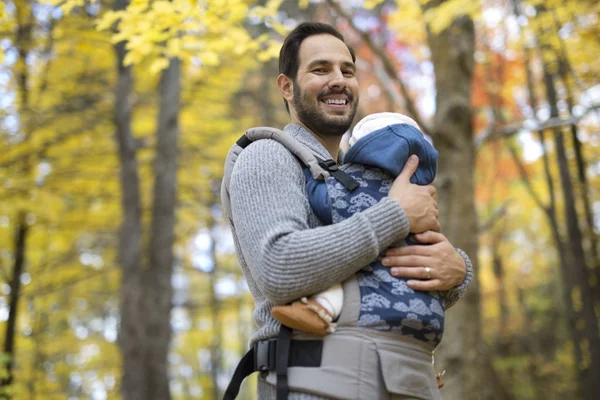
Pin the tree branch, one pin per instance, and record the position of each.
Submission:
(525, 177)
(388, 66)
(492, 133)
(496, 215)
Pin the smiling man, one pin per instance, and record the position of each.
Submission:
(287, 253)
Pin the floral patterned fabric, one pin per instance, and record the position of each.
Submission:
(387, 303)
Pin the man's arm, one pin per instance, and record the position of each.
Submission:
(286, 257)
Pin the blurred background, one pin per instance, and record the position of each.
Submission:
(118, 273)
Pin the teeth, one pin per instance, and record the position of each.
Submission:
(335, 101)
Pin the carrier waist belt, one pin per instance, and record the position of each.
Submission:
(270, 356)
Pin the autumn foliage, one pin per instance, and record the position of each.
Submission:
(534, 106)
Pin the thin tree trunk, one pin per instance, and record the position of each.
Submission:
(13, 307)
(215, 348)
(585, 332)
(531, 344)
(39, 357)
(498, 269)
(565, 266)
(23, 42)
(585, 191)
(131, 330)
(462, 353)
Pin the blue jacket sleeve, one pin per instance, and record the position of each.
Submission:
(318, 197)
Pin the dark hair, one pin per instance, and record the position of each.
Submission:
(289, 53)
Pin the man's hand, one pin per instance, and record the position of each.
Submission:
(446, 267)
(417, 201)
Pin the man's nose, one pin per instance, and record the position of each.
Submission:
(337, 79)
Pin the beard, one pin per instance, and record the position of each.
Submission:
(319, 122)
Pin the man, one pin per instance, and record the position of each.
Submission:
(286, 253)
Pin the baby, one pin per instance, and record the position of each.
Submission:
(380, 146)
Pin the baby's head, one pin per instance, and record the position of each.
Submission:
(374, 122)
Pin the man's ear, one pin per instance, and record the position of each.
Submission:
(286, 87)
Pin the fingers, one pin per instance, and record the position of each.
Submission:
(430, 237)
(399, 252)
(416, 260)
(409, 168)
(431, 190)
(417, 278)
(411, 272)
(426, 286)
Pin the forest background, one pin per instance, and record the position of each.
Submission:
(119, 278)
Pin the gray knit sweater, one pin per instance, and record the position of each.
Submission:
(283, 248)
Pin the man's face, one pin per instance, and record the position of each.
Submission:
(325, 91)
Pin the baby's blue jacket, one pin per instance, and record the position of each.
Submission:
(386, 149)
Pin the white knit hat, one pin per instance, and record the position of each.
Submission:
(374, 122)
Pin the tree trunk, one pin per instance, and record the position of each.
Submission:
(215, 308)
(131, 330)
(462, 352)
(15, 294)
(585, 192)
(146, 291)
(498, 269)
(38, 359)
(579, 295)
(23, 40)
(157, 278)
(531, 344)
(567, 72)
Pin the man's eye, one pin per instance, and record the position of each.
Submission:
(349, 73)
(319, 70)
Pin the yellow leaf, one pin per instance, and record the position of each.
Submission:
(163, 6)
(108, 20)
(209, 58)
(174, 47)
(158, 65)
(371, 4)
(130, 59)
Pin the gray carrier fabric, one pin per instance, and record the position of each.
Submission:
(305, 155)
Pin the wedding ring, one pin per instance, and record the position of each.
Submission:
(427, 273)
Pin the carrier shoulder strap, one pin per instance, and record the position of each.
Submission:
(320, 169)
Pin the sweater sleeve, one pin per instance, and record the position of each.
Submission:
(287, 258)
(453, 295)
